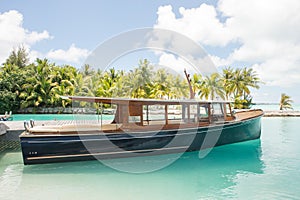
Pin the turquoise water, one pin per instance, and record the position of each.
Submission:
(268, 168)
(45, 117)
(274, 107)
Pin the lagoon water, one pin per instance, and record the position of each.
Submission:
(268, 168)
(45, 117)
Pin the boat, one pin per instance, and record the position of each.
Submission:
(137, 131)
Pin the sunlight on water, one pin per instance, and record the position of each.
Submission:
(260, 169)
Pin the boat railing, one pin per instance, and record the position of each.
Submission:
(6, 117)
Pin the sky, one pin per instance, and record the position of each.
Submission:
(264, 35)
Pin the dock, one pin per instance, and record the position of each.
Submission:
(9, 135)
(10, 131)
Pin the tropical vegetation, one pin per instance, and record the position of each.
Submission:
(285, 102)
(42, 83)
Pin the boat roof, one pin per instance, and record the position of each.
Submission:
(108, 100)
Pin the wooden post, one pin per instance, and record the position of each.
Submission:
(166, 114)
(224, 111)
(209, 113)
(125, 113)
(183, 111)
(142, 116)
(230, 110)
(198, 112)
(189, 112)
(101, 104)
(147, 114)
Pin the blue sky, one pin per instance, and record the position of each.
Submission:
(86, 23)
(234, 33)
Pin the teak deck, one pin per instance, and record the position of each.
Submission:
(147, 126)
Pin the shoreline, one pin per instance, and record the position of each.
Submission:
(7, 126)
(281, 113)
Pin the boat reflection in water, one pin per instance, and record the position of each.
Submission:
(189, 176)
(225, 160)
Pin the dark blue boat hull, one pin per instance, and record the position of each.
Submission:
(38, 149)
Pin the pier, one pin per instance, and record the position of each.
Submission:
(10, 131)
(9, 135)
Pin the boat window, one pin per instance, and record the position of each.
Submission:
(203, 110)
(155, 112)
(174, 112)
(217, 112)
(203, 113)
(228, 112)
(189, 113)
(217, 109)
(193, 113)
(134, 119)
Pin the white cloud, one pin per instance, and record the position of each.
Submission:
(73, 54)
(220, 62)
(34, 37)
(33, 55)
(266, 34)
(175, 63)
(269, 33)
(204, 65)
(13, 34)
(279, 72)
(201, 24)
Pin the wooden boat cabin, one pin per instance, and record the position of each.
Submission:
(149, 114)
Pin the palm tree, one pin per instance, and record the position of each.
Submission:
(108, 83)
(251, 79)
(161, 85)
(237, 84)
(240, 81)
(227, 77)
(179, 87)
(39, 87)
(139, 80)
(87, 70)
(63, 78)
(285, 102)
(92, 83)
(81, 88)
(121, 89)
(196, 82)
(211, 87)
